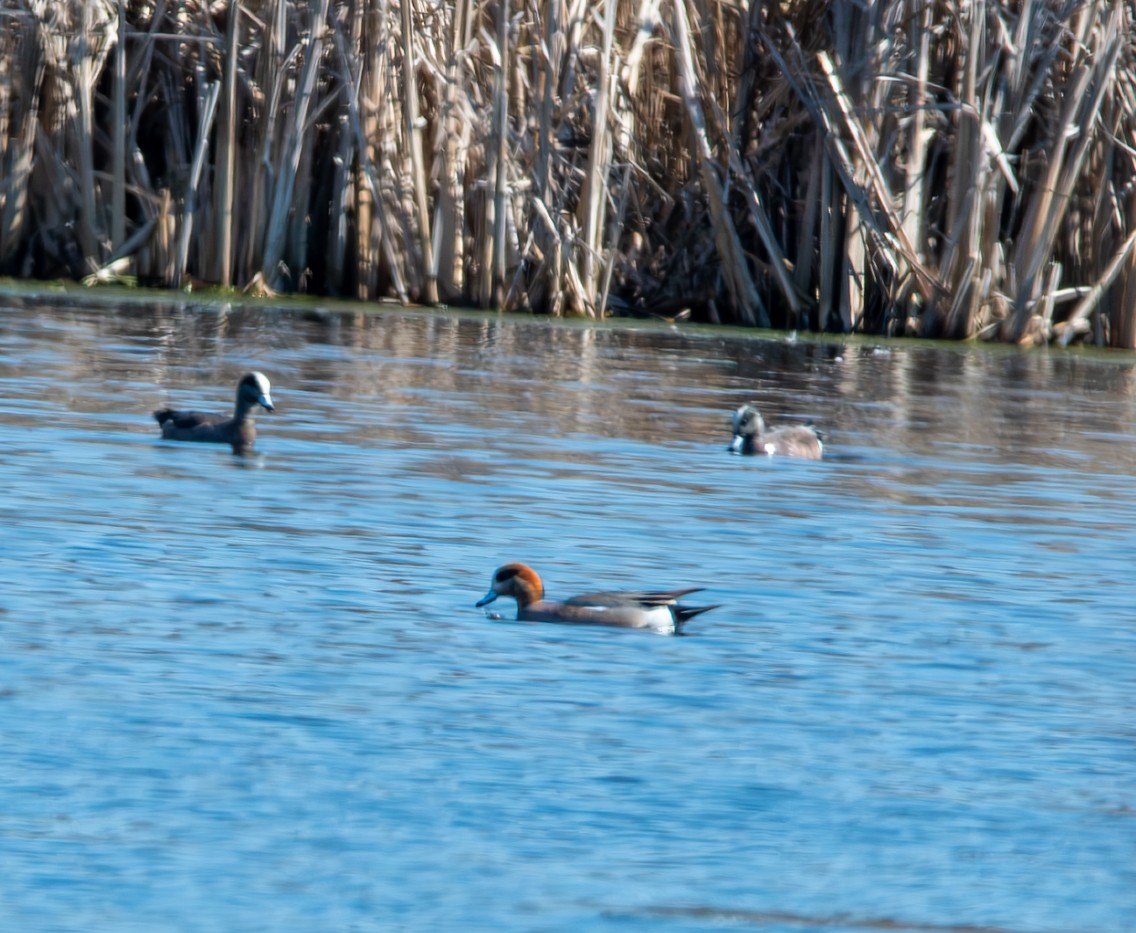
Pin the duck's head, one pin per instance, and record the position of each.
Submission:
(517, 580)
(748, 425)
(254, 389)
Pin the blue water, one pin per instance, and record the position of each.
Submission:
(254, 694)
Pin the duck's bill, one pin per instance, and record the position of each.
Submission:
(736, 444)
(266, 402)
(487, 598)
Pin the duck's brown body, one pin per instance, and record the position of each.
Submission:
(238, 430)
(657, 611)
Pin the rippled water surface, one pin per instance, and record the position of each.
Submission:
(254, 693)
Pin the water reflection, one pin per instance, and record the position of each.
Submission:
(1009, 404)
(257, 688)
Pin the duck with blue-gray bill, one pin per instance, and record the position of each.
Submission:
(239, 431)
(751, 436)
(655, 610)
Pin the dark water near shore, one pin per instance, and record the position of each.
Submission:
(254, 693)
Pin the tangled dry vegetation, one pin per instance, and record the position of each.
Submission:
(905, 167)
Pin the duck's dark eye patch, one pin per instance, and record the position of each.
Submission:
(503, 575)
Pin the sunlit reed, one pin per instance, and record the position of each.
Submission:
(957, 169)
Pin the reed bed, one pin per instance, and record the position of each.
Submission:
(950, 169)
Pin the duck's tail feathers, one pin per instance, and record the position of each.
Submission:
(684, 614)
(661, 597)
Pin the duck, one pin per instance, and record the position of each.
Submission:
(752, 437)
(656, 611)
(239, 431)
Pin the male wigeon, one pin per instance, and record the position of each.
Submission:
(239, 431)
(752, 437)
(657, 611)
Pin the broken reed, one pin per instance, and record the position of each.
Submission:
(945, 169)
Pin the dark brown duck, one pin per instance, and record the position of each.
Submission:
(238, 431)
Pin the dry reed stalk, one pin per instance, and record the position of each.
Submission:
(554, 38)
(455, 123)
(822, 191)
(342, 194)
(749, 306)
(968, 171)
(545, 234)
(601, 302)
(625, 82)
(895, 167)
(1075, 323)
(297, 140)
(19, 117)
(84, 130)
(413, 133)
(494, 285)
(485, 223)
(1123, 292)
(593, 195)
(189, 211)
(1081, 105)
(120, 263)
(394, 164)
(118, 133)
(804, 248)
(778, 264)
(914, 206)
(890, 226)
(224, 189)
(270, 76)
(369, 58)
(377, 231)
(148, 198)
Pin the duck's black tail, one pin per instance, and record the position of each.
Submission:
(684, 614)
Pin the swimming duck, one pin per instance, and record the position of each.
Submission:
(657, 611)
(239, 431)
(752, 437)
